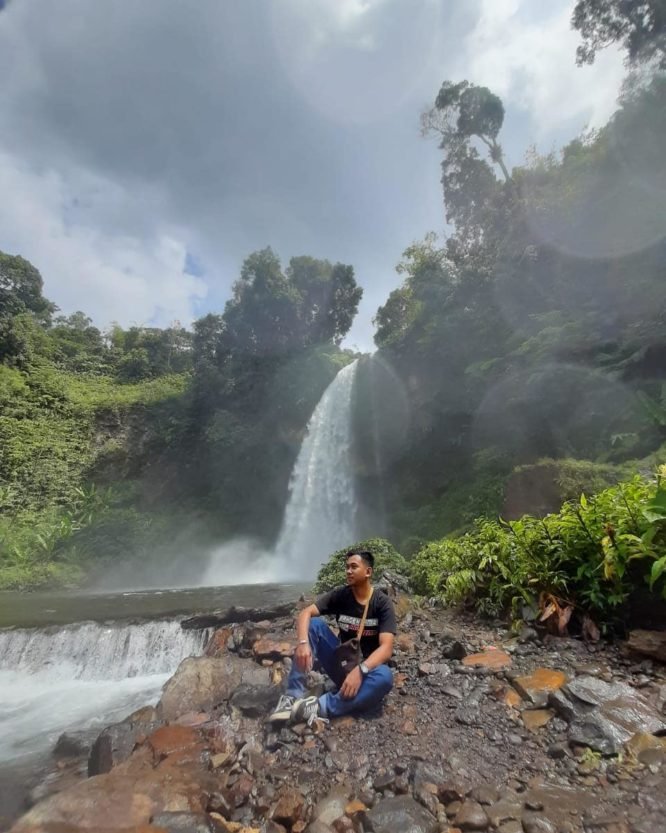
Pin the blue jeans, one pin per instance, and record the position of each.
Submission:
(323, 642)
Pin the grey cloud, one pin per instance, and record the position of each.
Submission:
(292, 123)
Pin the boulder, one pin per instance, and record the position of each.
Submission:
(604, 716)
(401, 813)
(127, 797)
(648, 643)
(201, 683)
(116, 743)
(471, 816)
(75, 744)
(255, 700)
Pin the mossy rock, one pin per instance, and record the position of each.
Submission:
(332, 574)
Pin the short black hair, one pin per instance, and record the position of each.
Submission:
(365, 556)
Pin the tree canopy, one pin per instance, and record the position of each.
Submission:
(638, 26)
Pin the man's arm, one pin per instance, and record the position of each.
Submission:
(303, 652)
(383, 653)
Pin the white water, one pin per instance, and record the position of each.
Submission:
(320, 514)
(81, 676)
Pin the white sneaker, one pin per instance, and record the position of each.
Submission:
(282, 712)
(306, 710)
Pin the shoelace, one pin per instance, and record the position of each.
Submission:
(312, 714)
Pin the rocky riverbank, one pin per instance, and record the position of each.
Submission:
(484, 730)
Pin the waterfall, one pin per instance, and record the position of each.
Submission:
(82, 676)
(320, 513)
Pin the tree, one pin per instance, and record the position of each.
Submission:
(639, 26)
(274, 312)
(329, 298)
(464, 114)
(21, 289)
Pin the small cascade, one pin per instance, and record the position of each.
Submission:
(320, 514)
(82, 676)
(91, 651)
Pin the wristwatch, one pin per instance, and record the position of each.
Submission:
(364, 669)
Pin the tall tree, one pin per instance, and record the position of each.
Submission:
(468, 118)
(21, 289)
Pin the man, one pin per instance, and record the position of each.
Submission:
(367, 683)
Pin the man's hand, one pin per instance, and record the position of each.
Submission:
(351, 684)
(303, 657)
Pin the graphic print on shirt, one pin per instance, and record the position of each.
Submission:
(353, 623)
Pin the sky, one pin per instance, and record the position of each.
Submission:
(147, 147)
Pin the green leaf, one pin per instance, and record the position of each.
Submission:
(657, 569)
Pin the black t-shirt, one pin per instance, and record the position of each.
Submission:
(341, 603)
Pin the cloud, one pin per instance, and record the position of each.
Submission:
(529, 60)
(139, 138)
(111, 276)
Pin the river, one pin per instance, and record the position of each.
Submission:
(72, 661)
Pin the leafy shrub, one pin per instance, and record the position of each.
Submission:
(590, 555)
(332, 574)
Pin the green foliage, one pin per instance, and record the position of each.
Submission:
(21, 289)
(639, 26)
(591, 554)
(332, 574)
(536, 329)
(179, 425)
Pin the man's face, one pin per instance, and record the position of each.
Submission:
(357, 570)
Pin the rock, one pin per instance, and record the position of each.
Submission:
(649, 643)
(75, 744)
(427, 797)
(485, 794)
(289, 806)
(169, 740)
(607, 715)
(557, 751)
(452, 791)
(115, 744)
(409, 728)
(201, 683)
(218, 643)
(255, 700)
(471, 816)
(562, 705)
(384, 782)
(355, 807)
(454, 650)
(538, 824)
(512, 826)
(536, 686)
(236, 614)
(401, 813)
(504, 811)
(405, 642)
(183, 823)
(332, 806)
(535, 719)
(646, 749)
(492, 658)
(267, 648)
(241, 789)
(126, 797)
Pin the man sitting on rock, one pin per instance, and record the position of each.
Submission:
(367, 683)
